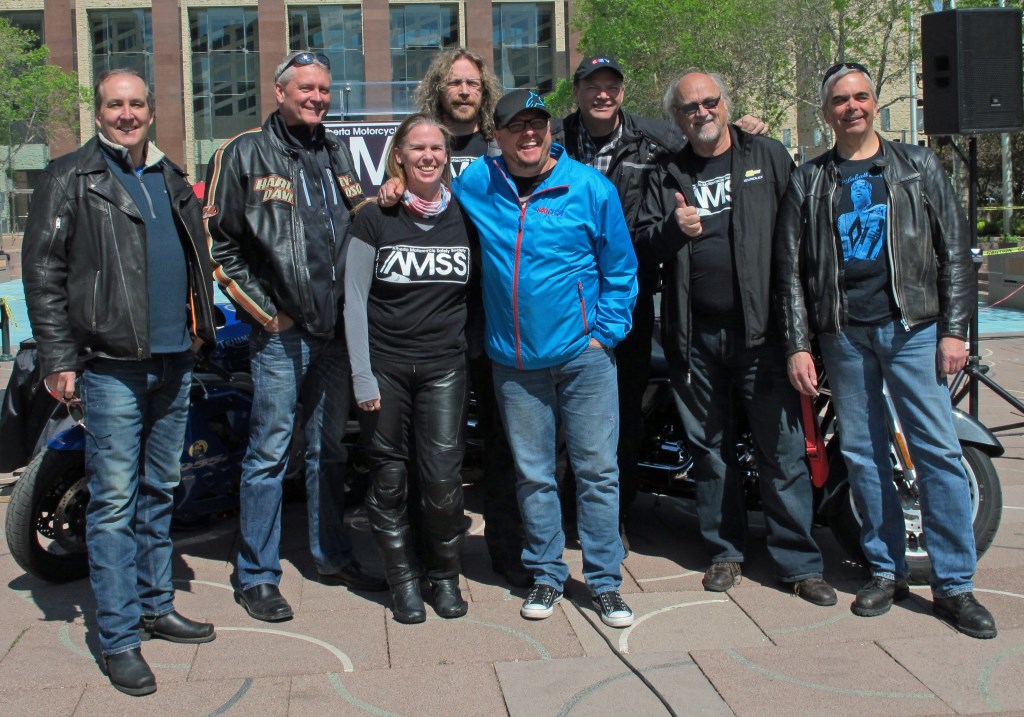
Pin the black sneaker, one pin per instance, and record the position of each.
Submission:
(540, 603)
(614, 610)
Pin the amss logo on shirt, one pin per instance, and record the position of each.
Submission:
(402, 264)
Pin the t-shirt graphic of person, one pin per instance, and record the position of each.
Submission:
(863, 229)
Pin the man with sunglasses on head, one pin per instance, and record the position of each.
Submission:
(118, 287)
(890, 307)
(709, 215)
(277, 216)
(559, 283)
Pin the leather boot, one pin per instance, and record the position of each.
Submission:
(407, 602)
(447, 598)
(129, 673)
(398, 554)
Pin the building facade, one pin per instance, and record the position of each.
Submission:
(211, 62)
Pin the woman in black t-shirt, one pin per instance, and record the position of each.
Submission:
(406, 274)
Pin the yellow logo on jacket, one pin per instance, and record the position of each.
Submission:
(275, 188)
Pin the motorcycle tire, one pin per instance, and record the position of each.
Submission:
(986, 511)
(46, 517)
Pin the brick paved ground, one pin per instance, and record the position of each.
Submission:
(756, 650)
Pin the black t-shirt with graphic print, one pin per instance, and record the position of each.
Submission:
(465, 149)
(861, 225)
(416, 309)
(714, 285)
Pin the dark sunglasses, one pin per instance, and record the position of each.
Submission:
(303, 59)
(690, 108)
(843, 66)
(76, 409)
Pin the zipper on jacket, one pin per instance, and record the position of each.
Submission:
(95, 291)
(891, 251)
(835, 253)
(332, 243)
(583, 306)
(515, 282)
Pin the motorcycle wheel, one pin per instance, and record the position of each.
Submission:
(986, 513)
(46, 517)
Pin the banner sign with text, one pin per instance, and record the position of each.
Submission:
(369, 143)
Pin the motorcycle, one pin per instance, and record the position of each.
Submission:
(665, 467)
(45, 525)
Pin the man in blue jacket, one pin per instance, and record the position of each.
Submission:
(559, 281)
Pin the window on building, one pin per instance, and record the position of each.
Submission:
(335, 31)
(31, 20)
(817, 137)
(524, 44)
(884, 115)
(225, 74)
(787, 137)
(418, 33)
(123, 38)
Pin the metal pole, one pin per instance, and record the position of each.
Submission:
(972, 214)
(913, 72)
(5, 333)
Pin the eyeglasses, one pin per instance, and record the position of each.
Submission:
(520, 125)
(843, 66)
(303, 59)
(471, 84)
(76, 409)
(690, 108)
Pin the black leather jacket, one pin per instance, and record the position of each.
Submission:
(84, 262)
(927, 241)
(256, 234)
(760, 172)
(643, 143)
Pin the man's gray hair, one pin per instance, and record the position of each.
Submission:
(826, 88)
(668, 102)
(107, 74)
(283, 73)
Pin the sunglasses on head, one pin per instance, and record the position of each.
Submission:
(303, 59)
(843, 66)
(690, 108)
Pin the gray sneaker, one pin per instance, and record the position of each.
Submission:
(540, 603)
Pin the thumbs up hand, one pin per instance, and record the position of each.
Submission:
(687, 217)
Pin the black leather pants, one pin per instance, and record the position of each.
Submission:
(429, 401)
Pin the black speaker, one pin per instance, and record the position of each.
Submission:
(971, 64)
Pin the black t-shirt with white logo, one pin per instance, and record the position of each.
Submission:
(714, 286)
(416, 309)
(466, 148)
(861, 225)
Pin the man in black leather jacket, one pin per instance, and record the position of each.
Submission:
(118, 288)
(708, 213)
(624, 147)
(893, 306)
(278, 202)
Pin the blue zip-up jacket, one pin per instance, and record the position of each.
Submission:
(558, 268)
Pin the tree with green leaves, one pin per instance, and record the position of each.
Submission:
(37, 100)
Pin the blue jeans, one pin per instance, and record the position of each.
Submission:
(289, 369)
(136, 413)
(857, 361)
(722, 368)
(581, 396)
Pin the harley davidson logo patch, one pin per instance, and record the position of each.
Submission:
(275, 188)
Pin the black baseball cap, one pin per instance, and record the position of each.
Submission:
(515, 102)
(592, 64)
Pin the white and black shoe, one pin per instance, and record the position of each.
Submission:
(540, 603)
(613, 609)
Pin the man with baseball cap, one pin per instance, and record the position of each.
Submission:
(558, 293)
